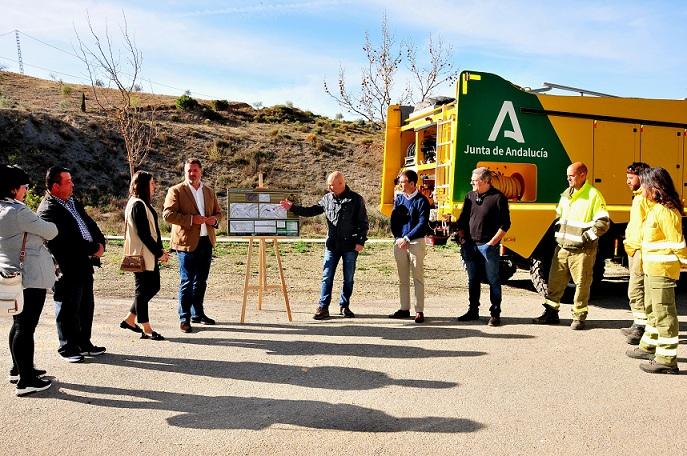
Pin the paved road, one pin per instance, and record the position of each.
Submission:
(367, 385)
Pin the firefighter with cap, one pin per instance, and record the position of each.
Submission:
(633, 248)
(582, 218)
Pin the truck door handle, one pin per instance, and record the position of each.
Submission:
(597, 180)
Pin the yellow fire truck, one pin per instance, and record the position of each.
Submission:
(528, 139)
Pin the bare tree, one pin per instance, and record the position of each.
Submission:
(438, 70)
(378, 77)
(117, 96)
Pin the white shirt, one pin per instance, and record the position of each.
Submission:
(411, 196)
(200, 202)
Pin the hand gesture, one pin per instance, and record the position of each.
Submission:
(286, 204)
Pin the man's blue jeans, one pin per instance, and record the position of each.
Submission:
(331, 260)
(194, 268)
(483, 260)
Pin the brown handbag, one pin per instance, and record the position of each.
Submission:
(133, 263)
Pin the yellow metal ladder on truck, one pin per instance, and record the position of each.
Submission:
(442, 181)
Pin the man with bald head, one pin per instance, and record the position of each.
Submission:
(347, 232)
(582, 218)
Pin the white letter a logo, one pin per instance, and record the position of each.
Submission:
(516, 133)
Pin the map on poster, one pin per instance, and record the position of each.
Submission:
(257, 212)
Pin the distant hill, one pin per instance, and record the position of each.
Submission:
(41, 125)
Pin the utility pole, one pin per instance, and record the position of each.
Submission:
(19, 59)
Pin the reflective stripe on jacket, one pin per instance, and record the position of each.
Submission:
(633, 232)
(582, 217)
(663, 244)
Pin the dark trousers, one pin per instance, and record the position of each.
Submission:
(147, 286)
(482, 261)
(74, 306)
(194, 268)
(21, 334)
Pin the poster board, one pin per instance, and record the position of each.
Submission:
(257, 212)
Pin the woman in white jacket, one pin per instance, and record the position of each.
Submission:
(17, 220)
(142, 237)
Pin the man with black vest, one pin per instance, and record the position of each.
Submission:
(482, 224)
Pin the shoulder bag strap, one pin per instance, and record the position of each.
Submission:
(22, 252)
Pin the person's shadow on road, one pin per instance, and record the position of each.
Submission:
(255, 413)
(325, 377)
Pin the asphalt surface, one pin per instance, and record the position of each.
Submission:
(368, 385)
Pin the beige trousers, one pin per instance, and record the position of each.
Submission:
(410, 262)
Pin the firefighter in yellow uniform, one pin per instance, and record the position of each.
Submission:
(582, 218)
(663, 255)
(633, 246)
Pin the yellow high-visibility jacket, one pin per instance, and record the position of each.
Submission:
(633, 232)
(582, 217)
(663, 245)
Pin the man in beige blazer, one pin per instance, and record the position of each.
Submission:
(194, 212)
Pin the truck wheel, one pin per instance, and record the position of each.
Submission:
(506, 269)
(539, 274)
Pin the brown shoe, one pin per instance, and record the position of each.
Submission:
(185, 327)
(419, 317)
(494, 321)
(322, 313)
(638, 353)
(577, 325)
(653, 367)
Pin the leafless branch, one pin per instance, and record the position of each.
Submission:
(102, 60)
(377, 79)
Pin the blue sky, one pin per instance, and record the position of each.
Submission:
(279, 51)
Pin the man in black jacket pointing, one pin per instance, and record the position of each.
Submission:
(347, 232)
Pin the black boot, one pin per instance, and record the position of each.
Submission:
(471, 315)
(549, 317)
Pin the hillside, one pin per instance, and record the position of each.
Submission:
(41, 125)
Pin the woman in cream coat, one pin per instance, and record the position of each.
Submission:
(38, 274)
(142, 237)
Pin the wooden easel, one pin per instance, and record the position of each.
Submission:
(262, 285)
(262, 270)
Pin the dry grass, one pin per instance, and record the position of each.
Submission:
(375, 279)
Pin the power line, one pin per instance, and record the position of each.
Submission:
(49, 45)
(150, 81)
(46, 69)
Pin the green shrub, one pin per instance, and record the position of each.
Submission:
(186, 103)
(220, 105)
(32, 199)
(5, 102)
(66, 90)
(216, 151)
